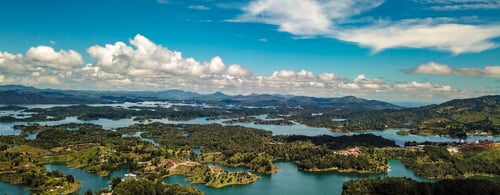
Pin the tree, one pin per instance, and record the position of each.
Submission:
(115, 181)
(89, 192)
(70, 178)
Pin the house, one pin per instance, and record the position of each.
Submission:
(130, 176)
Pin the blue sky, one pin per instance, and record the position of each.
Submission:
(394, 50)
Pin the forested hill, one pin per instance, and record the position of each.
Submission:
(482, 110)
(18, 94)
(454, 117)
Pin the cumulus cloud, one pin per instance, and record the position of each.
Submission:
(143, 65)
(146, 64)
(361, 82)
(59, 60)
(146, 59)
(13, 63)
(42, 66)
(237, 70)
(443, 69)
(310, 18)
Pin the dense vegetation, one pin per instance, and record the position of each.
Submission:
(402, 186)
(437, 162)
(156, 187)
(257, 149)
(18, 166)
(93, 149)
(341, 142)
(453, 118)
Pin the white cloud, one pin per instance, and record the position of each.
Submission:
(199, 7)
(59, 60)
(433, 68)
(423, 87)
(237, 70)
(147, 59)
(144, 65)
(456, 38)
(442, 69)
(304, 17)
(310, 18)
(361, 82)
(328, 77)
(458, 5)
(13, 63)
(37, 79)
(41, 66)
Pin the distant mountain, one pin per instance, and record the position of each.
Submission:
(14, 94)
(260, 100)
(18, 94)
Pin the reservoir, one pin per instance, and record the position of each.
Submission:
(87, 180)
(297, 129)
(289, 180)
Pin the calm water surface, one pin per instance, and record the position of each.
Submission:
(87, 180)
(290, 181)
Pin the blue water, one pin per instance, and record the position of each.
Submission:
(87, 180)
(13, 189)
(290, 181)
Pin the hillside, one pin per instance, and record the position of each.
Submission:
(473, 115)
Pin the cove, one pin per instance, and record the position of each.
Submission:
(87, 180)
(13, 189)
(289, 180)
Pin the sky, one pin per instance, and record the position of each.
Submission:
(391, 50)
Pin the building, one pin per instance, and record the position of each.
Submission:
(130, 176)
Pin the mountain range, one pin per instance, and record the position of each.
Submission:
(18, 94)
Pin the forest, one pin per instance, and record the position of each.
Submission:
(405, 186)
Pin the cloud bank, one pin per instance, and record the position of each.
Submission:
(334, 19)
(143, 65)
(442, 69)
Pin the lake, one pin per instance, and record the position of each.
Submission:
(87, 180)
(298, 129)
(289, 180)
